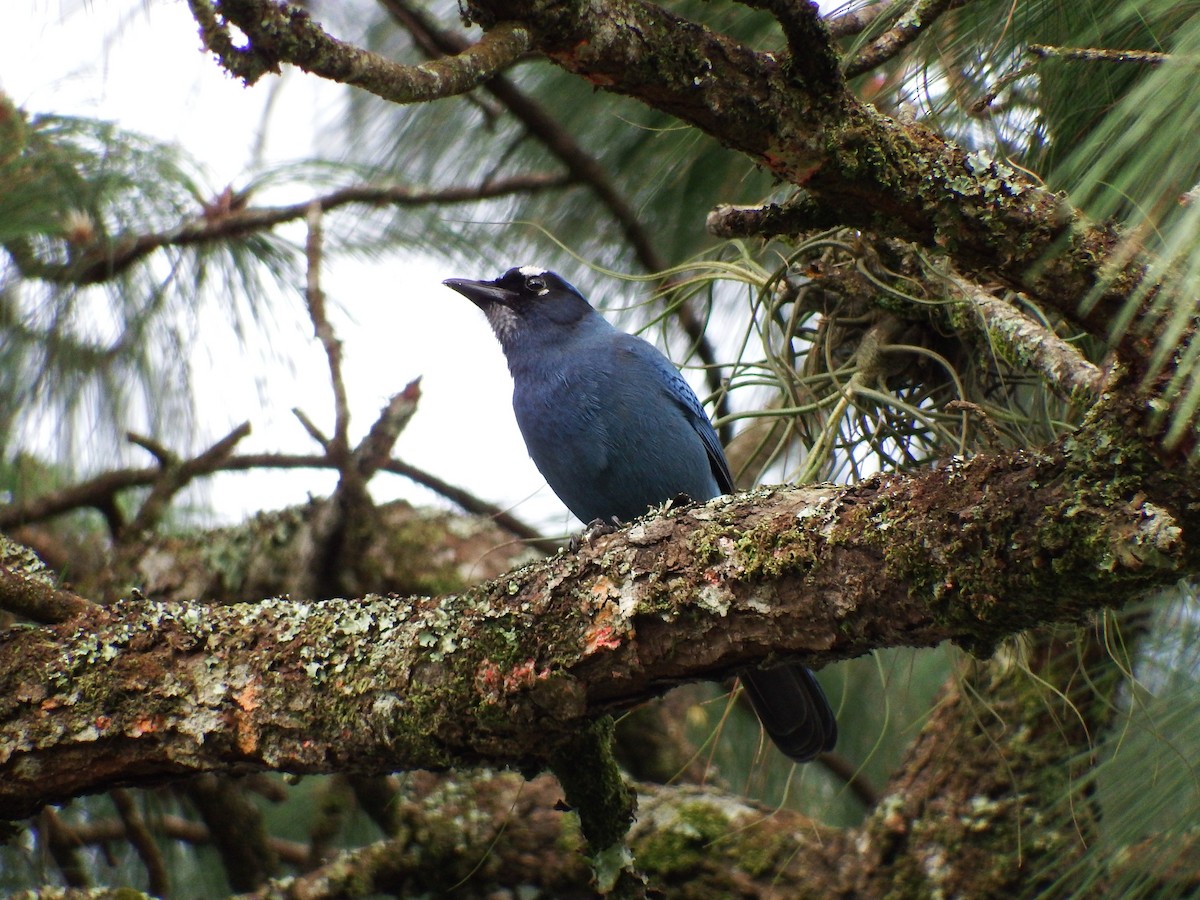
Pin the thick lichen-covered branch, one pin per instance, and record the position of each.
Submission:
(504, 673)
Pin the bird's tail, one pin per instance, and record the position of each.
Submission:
(793, 710)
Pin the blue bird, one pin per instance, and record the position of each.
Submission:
(615, 430)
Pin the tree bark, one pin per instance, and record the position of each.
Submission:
(504, 673)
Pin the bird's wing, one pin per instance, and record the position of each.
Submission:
(682, 394)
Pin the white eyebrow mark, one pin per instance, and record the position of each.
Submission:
(529, 271)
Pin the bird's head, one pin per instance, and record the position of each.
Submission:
(525, 304)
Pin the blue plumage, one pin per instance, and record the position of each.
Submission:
(615, 430)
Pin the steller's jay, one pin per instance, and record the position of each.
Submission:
(615, 430)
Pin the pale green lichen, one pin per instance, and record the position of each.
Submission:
(24, 562)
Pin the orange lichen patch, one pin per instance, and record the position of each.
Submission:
(144, 725)
(602, 587)
(247, 735)
(601, 637)
(247, 698)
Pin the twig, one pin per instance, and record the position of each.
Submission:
(339, 446)
(106, 831)
(143, 842)
(852, 776)
(980, 106)
(376, 448)
(1096, 54)
(313, 431)
(911, 25)
(335, 561)
(473, 504)
(1082, 54)
(176, 476)
(164, 456)
(64, 848)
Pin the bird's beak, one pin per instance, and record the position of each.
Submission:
(482, 293)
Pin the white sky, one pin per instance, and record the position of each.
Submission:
(399, 322)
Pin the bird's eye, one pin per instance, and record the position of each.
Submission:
(536, 284)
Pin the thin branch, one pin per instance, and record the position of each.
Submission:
(163, 454)
(375, 450)
(980, 106)
(1096, 54)
(856, 21)
(143, 842)
(472, 504)
(313, 431)
(913, 22)
(98, 493)
(1084, 54)
(851, 775)
(339, 446)
(64, 849)
(811, 57)
(281, 32)
(107, 831)
(98, 263)
(1067, 372)
(176, 476)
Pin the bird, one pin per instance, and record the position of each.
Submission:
(615, 430)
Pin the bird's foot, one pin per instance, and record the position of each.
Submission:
(596, 528)
(678, 500)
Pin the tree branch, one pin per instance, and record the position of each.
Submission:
(913, 22)
(175, 476)
(811, 57)
(1098, 54)
(99, 492)
(1065, 369)
(856, 21)
(281, 32)
(27, 588)
(101, 262)
(505, 673)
